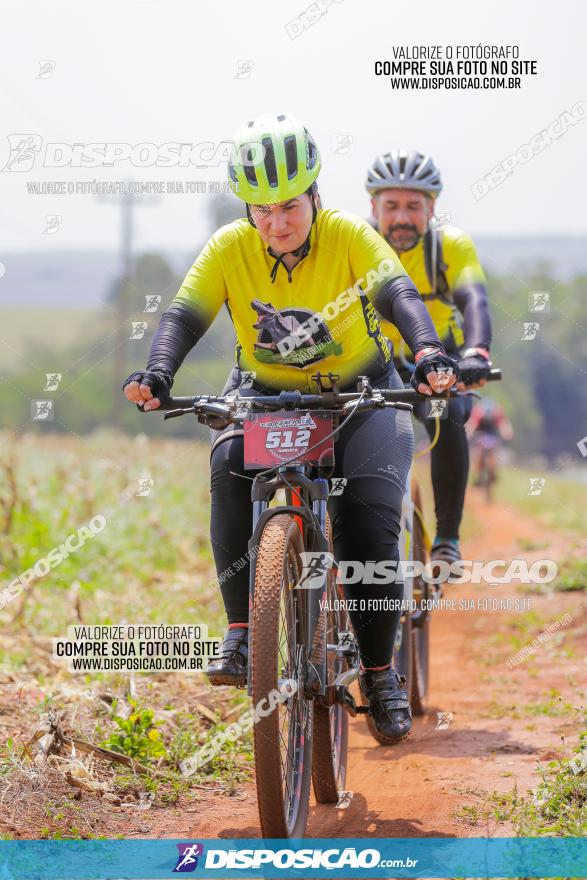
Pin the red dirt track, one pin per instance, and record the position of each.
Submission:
(418, 787)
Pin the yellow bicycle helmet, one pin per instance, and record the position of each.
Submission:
(275, 158)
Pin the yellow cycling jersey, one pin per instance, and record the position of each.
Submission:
(461, 267)
(323, 321)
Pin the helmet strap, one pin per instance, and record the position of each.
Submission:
(303, 250)
(249, 216)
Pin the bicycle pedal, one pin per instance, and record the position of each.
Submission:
(346, 699)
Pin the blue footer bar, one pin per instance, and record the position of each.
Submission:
(308, 858)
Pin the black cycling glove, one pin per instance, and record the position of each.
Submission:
(158, 381)
(434, 360)
(474, 367)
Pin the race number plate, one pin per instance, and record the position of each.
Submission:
(278, 437)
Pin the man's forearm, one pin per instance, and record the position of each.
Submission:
(471, 300)
(178, 331)
(398, 301)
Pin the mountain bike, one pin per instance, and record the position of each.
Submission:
(412, 653)
(303, 655)
(486, 446)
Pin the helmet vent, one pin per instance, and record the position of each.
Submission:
(247, 162)
(291, 156)
(311, 150)
(270, 164)
(407, 170)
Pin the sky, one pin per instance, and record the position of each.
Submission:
(160, 71)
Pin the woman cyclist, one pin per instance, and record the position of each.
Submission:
(303, 287)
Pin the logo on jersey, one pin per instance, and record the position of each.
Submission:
(275, 325)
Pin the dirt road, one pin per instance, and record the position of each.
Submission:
(439, 781)
(420, 787)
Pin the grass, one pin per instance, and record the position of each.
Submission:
(551, 704)
(559, 506)
(528, 544)
(556, 807)
(468, 815)
(572, 576)
(55, 329)
(137, 735)
(150, 564)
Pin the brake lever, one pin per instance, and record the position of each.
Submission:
(399, 404)
(176, 413)
(353, 407)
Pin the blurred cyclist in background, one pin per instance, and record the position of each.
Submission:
(488, 429)
(443, 264)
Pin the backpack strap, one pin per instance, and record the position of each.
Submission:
(435, 266)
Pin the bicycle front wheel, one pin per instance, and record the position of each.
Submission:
(278, 665)
(331, 723)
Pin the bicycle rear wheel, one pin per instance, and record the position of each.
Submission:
(329, 756)
(278, 664)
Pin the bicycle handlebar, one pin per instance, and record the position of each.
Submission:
(212, 406)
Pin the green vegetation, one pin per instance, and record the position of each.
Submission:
(560, 505)
(137, 736)
(151, 563)
(556, 807)
(35, 330)
(559, 803)
(539, 392)
(94, 353)
(469, 814)
(551, 704)
(572, 576)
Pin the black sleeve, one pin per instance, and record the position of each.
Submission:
(471, 301)
(179, 329)
(398, 301)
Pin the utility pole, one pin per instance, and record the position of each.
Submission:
(127, 201)
(121, 303)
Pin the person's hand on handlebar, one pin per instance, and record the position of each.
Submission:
(145, 387)
(435, 371)
(475, 367)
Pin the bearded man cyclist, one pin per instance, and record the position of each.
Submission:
(444, 266)
(279, 272)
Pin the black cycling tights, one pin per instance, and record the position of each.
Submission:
(373, 452)
(450, 464)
